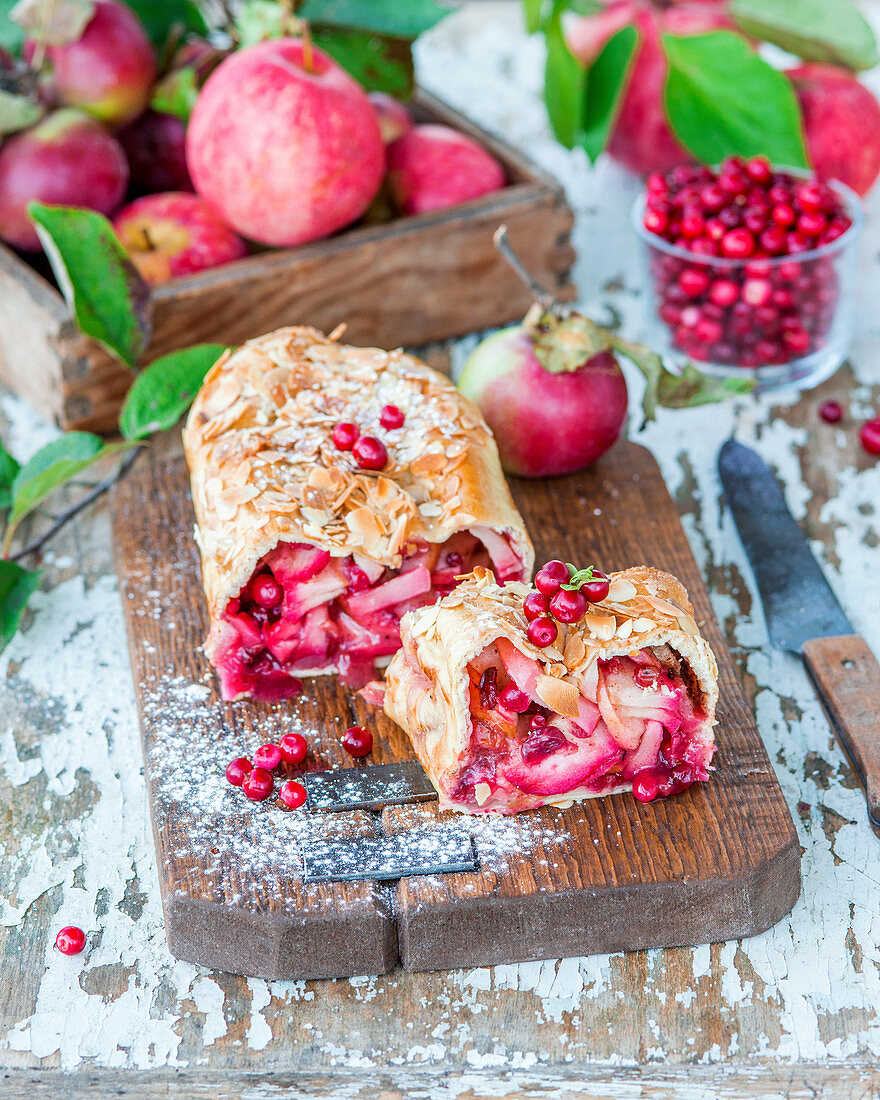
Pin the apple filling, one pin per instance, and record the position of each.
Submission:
(638, 721)
(304, 611)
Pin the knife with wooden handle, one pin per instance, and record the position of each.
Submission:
(803, 614)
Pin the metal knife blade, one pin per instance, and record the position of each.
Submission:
(798, 601)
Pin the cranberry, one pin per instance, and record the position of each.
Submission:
(294, 748)
(537, 722)
(783, 214)
(737, 244)
(489, 688)
(772, 239)
(550, 576)
(70, 940)
(755, 219)
(812, 223)
(646, 785)
(831, 412)
(723, 292)
(707, 331)
(542, 631)
(712, 197)
(544, 743)
(758, 169)
(797, 341)
(757, 292)
(293, 794)
(369, 453)
(237, 770)
(536, 604)
(656, 221)
(511, 698)
(265, 591)
(656, 184)
(344, 435)
(597, 589)
(391, 417)
(268, 757)
(715, 229)
(730, 217)
(869, 436)
(810, 195)
(692, 224)
(694, 281)
(258, 784)
(568, 606)
(357, 741)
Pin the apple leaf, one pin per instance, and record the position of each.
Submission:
(8, 470)
(164, 390)
(17, 585)
(176, 93)
(109, 300)
(533, 15)
(605, 84)
(379, 64)
(164, 18)
(676, 391)
(53, 22)
(12, 35)
(17, 112)
(722, 98)
(815, 30)
(51, 467)
(565, 81)
(393, 18)
(260, 20)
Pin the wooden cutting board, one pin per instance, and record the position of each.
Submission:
(718, 862)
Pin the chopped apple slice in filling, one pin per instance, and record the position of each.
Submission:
(633, 721)
(304, 611)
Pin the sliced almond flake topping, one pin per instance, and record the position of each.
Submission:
(621, 591)
(626, 628)
(687, 624)
(664, 607)
(602, 626)
(482, 793)
(431, 509)
(642, 626)
(574, 650)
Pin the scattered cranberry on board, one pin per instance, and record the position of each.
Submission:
(70, 940)
(294, 748)
(293, 794)
(258, 784)
(831, 412)
(357, 741)
(869, 436)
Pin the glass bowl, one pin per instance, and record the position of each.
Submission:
(787, 320)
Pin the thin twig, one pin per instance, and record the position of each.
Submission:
(101, 488)
(539, 293)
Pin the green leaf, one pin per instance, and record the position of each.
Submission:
(676, 391)
(176, 93)
(606, 80)
(51, 467)
(533, 13)
(164, 390)
(162, 17)
(260, 20)
(17, 585)
(379, 64)
(54, 22)
(395, 18)
(565, 82)
(109, 300)
(815, 30)
(8, 470)
(12, 36)
(17, 112)
(721, 98)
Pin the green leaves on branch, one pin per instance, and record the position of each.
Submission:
(816, 30)
(17, 585)
(565, 83)
(606, 79)
(164, 19)
(722, 98)
(379, 64)
(176, 93)
(109, 300)
(163, 392)
(394, 18)
(8, 470)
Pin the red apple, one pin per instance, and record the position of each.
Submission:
(841, 124)
(68, 159)
(432, 167)
(175, 234)
(394, 118)
(545, 422)
(110, 70)
(641, 138)
(155, 145)
(284, 144)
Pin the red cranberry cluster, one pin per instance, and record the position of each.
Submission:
(562, 595)
(765, 309)
(869, 433)
(369, 452)
(257, 777)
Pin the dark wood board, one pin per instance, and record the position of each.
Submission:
(720, 861)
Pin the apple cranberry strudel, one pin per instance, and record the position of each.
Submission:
(622, 699)
(335, 488)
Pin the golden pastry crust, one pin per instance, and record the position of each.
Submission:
(264, 469)
(427, 680)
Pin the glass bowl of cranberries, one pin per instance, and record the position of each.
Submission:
(750, 268)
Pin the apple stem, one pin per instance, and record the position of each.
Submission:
(308, 55)
(540, 293)
(148, 240)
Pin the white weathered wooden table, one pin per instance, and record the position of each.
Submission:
(794, 1012)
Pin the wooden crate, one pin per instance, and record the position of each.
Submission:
(404, 283)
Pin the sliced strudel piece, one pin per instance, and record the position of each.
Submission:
(622, 699)
(336, 488)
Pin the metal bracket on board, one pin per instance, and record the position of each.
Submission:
(368, 788)
(437, 850)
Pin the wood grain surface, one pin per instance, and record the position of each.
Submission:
(717, 862)
(847, 676)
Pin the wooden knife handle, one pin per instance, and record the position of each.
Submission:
(847, 679)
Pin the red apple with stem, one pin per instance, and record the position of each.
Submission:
(284, 144)
(175, 234)
(108, 71)
(432, 167)
(68, 159)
